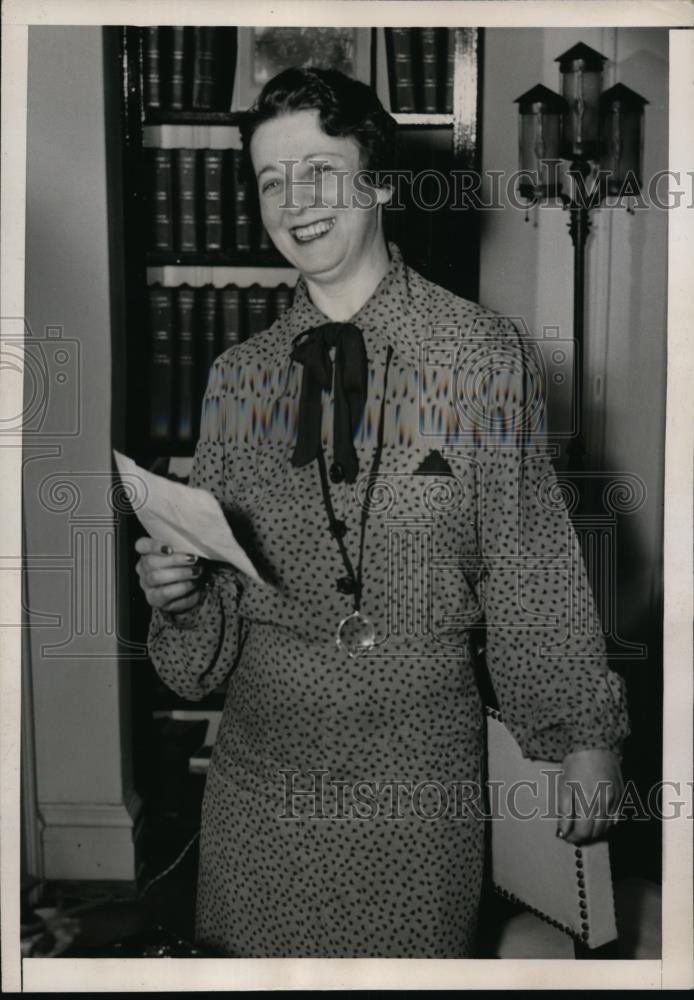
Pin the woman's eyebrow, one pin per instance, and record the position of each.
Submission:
(275, 166)
(325, 152)
(268, 166)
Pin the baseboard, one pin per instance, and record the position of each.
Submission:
(86, 842)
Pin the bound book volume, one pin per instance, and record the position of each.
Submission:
(189, 68)
(162, 205)
(202, 202)
(189, 328)
(187, 209)
(420, 69)
(161, 362)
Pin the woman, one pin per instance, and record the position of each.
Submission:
(391, 498)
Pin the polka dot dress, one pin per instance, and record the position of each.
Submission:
(341, 815)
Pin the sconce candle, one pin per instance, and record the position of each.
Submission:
(581, 75)
(621, 138)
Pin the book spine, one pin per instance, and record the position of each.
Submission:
(429, 64)
(186, 162)
(402, 89)
(162, 200)
(224, 55)
(185, 368)
(450, 71)
(230, 304)
(208, 334)
(282, 298)
(161, 362)
(243, 224)
(152, 69)
(177, 79)
(264, 242)
(257, 309)
(203, 68)
(213, 160)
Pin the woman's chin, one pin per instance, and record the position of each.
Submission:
(314, 257)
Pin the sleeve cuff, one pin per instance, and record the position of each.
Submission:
(186, 621)
(604, 728)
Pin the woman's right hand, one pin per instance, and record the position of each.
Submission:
(172, 581)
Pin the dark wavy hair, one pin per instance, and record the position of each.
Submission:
(346, 107)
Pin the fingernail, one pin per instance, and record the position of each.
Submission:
(191, 559)
(197, 571)
(167, 550)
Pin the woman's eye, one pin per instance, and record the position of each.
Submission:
(269, 186)
(320, 167)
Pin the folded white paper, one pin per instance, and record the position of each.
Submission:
(185, 517)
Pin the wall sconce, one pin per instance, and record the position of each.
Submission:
(598, 133)
(540, 142)
(621, 138)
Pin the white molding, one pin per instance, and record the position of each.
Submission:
(88, 841)
(96, 814)
(92, 841)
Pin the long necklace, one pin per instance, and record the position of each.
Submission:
(355, 633)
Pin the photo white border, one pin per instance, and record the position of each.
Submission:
(675, 970)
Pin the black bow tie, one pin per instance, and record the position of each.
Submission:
(311, 349)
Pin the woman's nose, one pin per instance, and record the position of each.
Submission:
(302, 191)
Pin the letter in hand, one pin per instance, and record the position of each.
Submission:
(589, 795)
(171, 581)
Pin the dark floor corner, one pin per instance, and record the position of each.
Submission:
(153, 919)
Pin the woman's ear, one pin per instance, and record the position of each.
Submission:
(383, 194)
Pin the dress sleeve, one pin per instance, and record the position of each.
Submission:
(194, 652)
(545, 648)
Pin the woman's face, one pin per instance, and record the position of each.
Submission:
(315, 203)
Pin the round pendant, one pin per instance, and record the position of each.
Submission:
(355, 634)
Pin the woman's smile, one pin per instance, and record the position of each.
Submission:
(312, 231)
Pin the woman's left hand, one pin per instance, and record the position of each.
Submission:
(589, 794)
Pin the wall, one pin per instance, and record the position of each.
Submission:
(80, 689)
(527, 269)
(527, 266)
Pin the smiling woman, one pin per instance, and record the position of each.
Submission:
(341, 815)
(314, 170)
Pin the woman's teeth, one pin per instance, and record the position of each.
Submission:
(306, 233)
